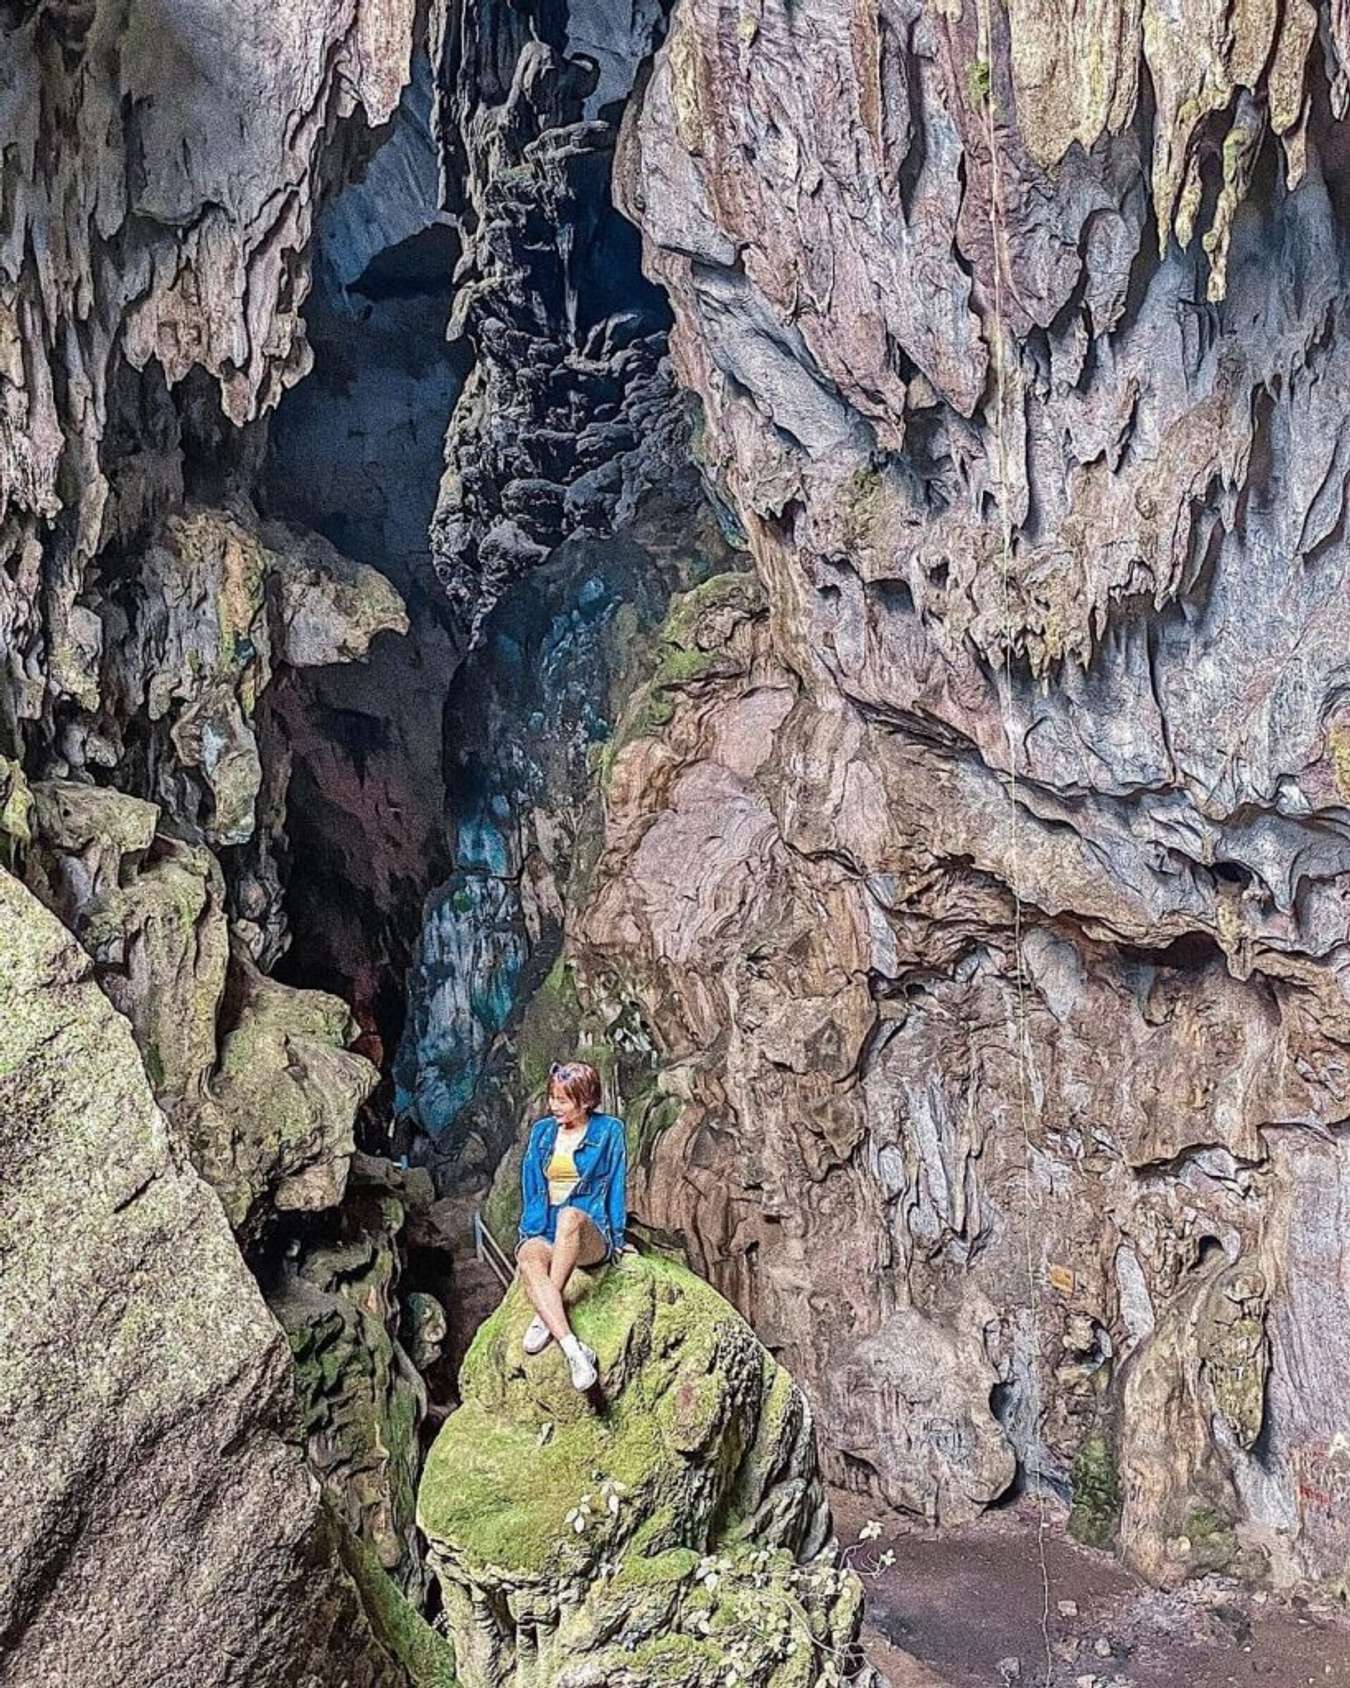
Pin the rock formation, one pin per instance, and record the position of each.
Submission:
(989, 912)
(160, 189)
(875, 681)
(159, 1523)
(361, 1391)
(679, 1535)
(560, 419)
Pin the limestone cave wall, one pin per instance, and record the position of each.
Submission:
(797, 549)
(987, 896)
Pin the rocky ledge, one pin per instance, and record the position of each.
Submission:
(671, 1531)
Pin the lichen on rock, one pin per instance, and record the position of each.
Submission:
(676, 1534)
(275, 1127)
(152, 1470)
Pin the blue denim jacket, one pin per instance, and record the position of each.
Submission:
(602, 1179)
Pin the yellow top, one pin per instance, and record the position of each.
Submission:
(561, 1173)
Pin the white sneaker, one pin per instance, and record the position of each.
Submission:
(581, 1367)
(537, 1336)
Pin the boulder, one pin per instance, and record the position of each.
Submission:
(149, 909)
(157, 1522)
(256, 1074)
(670, 1530)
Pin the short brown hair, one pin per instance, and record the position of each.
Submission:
(579, 1082)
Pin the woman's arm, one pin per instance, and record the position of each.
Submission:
(533, 1191)
(616, 1196)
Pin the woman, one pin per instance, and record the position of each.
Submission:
(574, 1195)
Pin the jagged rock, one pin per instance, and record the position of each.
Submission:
(559, 658)
(219, 600)
(428, 1327)
(329, 608)
(916, 1406)
(259, 1077)
(159, 1526)
(568, 412)
(159, 194)
(1193, 1400)
(275, 1128)
(151, 912)
(678, 1535)
(89, 832)
(16, 810)
(362, 1397)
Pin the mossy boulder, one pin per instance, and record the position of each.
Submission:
(1095, 1515)
(425, 1656)
(672, 1529)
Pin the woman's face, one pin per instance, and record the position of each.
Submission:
(563, 1108)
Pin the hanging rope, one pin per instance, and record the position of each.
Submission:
(1019, 1030)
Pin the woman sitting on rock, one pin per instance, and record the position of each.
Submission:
(574, 1205)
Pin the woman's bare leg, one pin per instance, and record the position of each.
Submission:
(544, 1270)
(535, 1260)
(578, 1243)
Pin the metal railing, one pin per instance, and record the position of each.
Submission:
(487, 1249)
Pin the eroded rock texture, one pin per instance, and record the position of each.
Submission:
(984, 890)
(536, 707)
(553, 434)
(158, 191)
(361, 1392)
(159, 194)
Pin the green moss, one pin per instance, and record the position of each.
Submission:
(650, 1115)
(500, 1497)
(678, 657)
(501, 1206)
(640, 1570)
(679, 1659)
(978, 82)
(548, 1027)
(1240, 1388)
(426, 1656)
(779, 1418)
(1213, 1542)
(510, 1504)
(154, 1066)
(1095, 1513)
(860, 505)
(16, 811)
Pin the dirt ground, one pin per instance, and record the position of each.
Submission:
(964, 1610)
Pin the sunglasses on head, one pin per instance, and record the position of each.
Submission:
(562, 1069)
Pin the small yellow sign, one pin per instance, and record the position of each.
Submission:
(1062, 1279)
